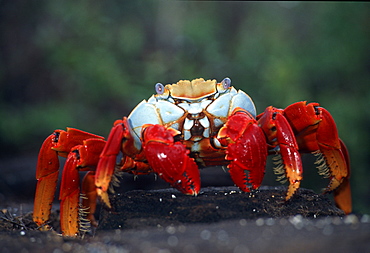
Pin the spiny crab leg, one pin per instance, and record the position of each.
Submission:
(246, 149)
(337, 164)
(69, 197)
(118, 137)
(58, 143)
(316, 132)
(82, 157)
(280, 135)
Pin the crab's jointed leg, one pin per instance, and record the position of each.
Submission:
(119, 138)
(82, 157)
(316, 132)
(246, 149)
(280, 136)
(47, 173)
(59, 143)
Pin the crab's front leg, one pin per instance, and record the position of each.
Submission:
(280, 138)
(47, 170)
(246, 149)
(119, 135)
(170, 159)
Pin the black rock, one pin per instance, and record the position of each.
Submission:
(138, 208)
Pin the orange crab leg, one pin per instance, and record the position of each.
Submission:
(117, 139)
(342, 195)
(47, 172)
(88, 190)
(280, 134)
(316, 132)
(170, 159)
(69, 197)
(81, 157)
(246, 149)
(58, 143)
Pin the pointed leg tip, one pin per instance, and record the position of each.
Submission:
(103, 195)
(292, 189)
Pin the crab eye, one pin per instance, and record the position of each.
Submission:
(159, 88)
(226, 83)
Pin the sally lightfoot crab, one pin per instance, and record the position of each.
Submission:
(183, 127)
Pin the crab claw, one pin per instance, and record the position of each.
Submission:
(170, 159)
(246, 149)
(280, 136)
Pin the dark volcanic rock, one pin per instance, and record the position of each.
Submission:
(139, 208)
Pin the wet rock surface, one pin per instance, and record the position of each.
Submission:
(220, 219)
(168, 206)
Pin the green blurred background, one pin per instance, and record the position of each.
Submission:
(87, 63)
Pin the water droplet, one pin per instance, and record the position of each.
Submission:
(172, 240)
(205, 234)
(171, 229)
(270, 222)
(260, 222)
(243, 222)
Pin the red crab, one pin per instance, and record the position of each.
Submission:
(185, 126)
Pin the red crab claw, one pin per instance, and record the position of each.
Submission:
(118, 138)
(47, 170)
(316, 132)
(280, 135)
(246, 149)
(82, 157)
(170, 159)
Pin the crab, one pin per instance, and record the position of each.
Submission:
(183, 127)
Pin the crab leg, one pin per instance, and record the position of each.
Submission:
(47, 176)
(336, 158)
(342, 195)
(89, 194)
(118, 136)
(69, 197)
(170, 159)
(280, 135)
(316, 132)
(246, 149)
(47, 170)
(82, 157)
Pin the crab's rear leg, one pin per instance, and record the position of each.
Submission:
(81, 158)
(342, 194)
(170, 159)
(47, 170)
(316, 132)
(336, 157)
(246, 149)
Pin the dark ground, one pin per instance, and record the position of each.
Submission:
(220, 219)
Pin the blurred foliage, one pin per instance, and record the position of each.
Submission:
(86, 63)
